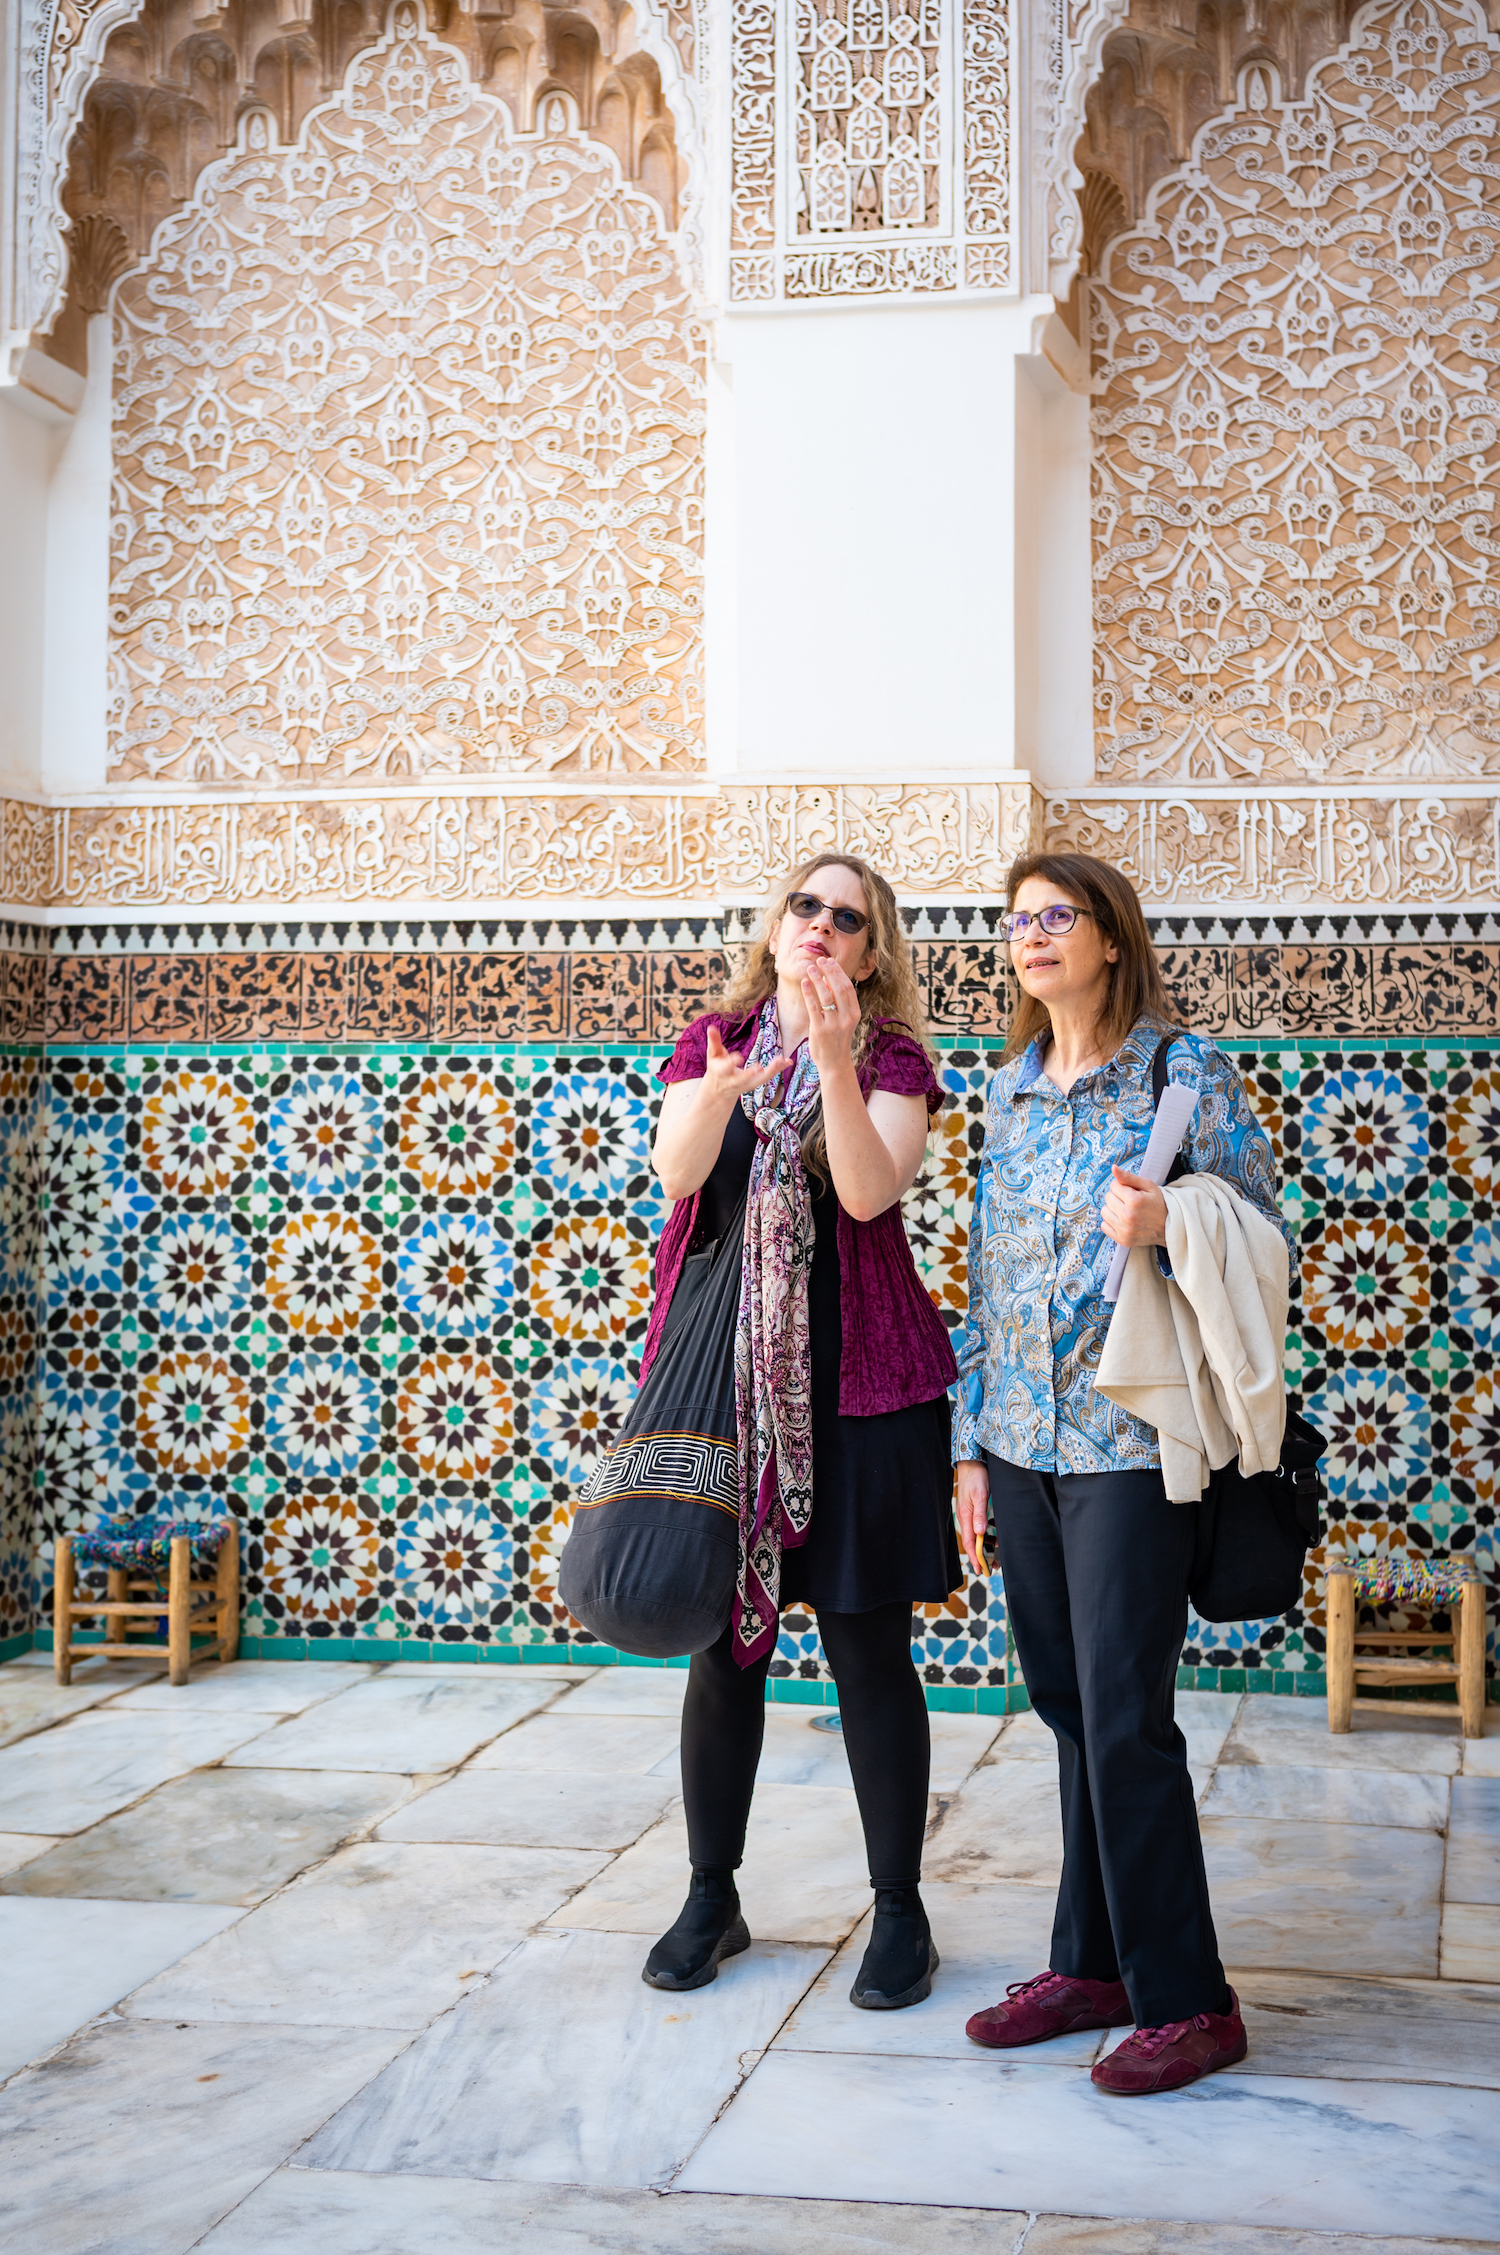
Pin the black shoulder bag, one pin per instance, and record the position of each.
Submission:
(1253, 1532)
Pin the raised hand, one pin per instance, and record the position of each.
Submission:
(832, 1013)
(728, 1079)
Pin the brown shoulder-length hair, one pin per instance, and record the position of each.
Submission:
(1136, 988)
(890, 992)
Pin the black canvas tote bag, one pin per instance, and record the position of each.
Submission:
(1254, 1532)
(650, 1561)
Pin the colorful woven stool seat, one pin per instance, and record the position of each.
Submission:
(147, 1542)
(1412, 1581)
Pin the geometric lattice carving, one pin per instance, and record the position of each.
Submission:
(408, 453)
(868, 116)
(892, 135)
(1294, 510)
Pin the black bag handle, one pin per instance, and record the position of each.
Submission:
(1179, 1165)
(1303, 1443)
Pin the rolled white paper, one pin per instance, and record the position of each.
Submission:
(1173, 1115)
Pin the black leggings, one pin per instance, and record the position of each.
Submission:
(885, 1735)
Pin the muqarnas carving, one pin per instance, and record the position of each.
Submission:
(408, 451)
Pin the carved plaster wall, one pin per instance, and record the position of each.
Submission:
(654, 846)
(869, 148)
(1294, 435)
(408, 447)
(1380, 848)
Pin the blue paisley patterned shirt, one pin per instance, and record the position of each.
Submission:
(1038, 1257)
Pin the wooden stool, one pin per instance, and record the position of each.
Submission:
(136, 1555)
(1452, 1582)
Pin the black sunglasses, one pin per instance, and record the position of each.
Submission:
(806, 906)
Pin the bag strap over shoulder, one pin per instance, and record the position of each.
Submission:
(1180, 1165)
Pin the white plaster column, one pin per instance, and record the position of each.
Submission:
(31, 435)
(1054, 621)
(872, 586)
(76, 645)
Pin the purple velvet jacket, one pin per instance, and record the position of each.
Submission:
(896, 1348)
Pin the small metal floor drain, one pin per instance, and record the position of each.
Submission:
(830, 1719)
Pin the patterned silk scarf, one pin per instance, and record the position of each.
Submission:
(772, 1347)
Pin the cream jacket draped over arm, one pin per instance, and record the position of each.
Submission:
(1200, 1354)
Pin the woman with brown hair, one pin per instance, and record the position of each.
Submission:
(1094, 1557)
(795, 1119)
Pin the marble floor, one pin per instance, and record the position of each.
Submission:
(349, 1957)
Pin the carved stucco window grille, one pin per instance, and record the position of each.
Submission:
(869, 148)
(868, 122)
(408, 447)
(1295, 435)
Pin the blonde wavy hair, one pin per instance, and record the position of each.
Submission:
(889, 992)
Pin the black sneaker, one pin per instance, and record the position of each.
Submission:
(709, 1927)
(901, 1958)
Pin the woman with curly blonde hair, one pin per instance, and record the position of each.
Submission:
(795, 1119)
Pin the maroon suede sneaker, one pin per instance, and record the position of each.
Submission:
(1052, 2004)
(1163, 2059)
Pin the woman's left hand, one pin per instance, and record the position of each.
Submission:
(832, 1013)
(1135, 1212)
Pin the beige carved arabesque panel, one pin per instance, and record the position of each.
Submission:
(1294, 436)
(408, 452)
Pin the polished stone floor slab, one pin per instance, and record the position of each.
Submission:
(565, 2067)
(1471, 1942)
(417, 1719)
(1024, 1738)
(804, 1877)
(32, 1700)
(1295, 1731)
(1004, 1825)
(65, 1961)
(354, 2213)
(470, 1671)
(1344, 1898)
(608, 1745)
(1277, 1791)
(382, 1936)
(1079, 2235)
(1473, 1872)
(268, 1687)
(219, 1836)
(1249, 2149)
(630, 1691)
(1205, 1719)
(1375, 2031)
(986, 1937)
(142, 2135)
(67, 1779)
(18, 1848)
(534, 1809)
(1481, 1756)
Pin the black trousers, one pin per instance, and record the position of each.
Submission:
(886, 1737)
(1096, 1571)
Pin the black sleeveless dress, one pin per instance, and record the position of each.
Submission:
(882, 1526)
